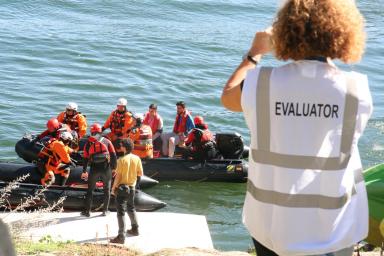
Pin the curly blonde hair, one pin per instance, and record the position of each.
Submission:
(326, 28)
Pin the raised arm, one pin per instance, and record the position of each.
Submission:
(231, 95)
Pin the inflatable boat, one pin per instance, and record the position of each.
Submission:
(74, 192)
(74, 198)
(11, 171)
(230, 166)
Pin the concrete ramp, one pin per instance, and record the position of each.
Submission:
(158, 230)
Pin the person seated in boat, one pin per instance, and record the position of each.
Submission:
(155, 121)
(183, 124)
(120, 121)
(141, 135)
(100, 154)
(74, 119)
(56, 158)
(200, 142)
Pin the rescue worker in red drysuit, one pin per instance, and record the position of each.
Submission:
(54, 127)
(200, 142)
(100, 154)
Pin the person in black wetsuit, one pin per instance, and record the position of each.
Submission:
(100, 154)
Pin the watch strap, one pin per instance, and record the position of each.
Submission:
(249, 58)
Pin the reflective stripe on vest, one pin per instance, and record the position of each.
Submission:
(303, 200)
(263, 154)
(145, 136)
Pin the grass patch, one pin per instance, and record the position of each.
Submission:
(70, 248)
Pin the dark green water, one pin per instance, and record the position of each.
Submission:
(93, 52)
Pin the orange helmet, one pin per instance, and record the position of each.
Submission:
(96, 128)
(53, 124)
(198, 120)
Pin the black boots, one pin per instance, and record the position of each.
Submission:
(118, 240)
(134, 231)
(85, 213)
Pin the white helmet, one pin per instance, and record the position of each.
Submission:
(122, 102)
(72, 106)
(139, 116)
(66, 136)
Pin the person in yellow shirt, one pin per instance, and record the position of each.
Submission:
(128, 174)
(74, 119)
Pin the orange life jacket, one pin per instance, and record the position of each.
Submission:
(46, 152)
(142, 141)
(180, 127)
(54, 159)
(155, 123)
(118, 121)
(71, 121)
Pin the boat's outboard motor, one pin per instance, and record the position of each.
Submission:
(230, 145)
(245, 152)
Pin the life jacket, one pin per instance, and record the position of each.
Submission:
(46, 152)
(97, 150)
(142, 141)
(54, 159)
(202, 138)
(118, 121)
(180, 126)
(154, 124)
(72, 121)
(305, 174)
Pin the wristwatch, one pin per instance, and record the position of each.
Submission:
(250, 58)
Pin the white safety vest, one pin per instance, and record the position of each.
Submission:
(305, 192)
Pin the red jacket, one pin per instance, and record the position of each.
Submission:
(181, 123)
(101, 145)
(153, 123)
(205, 137)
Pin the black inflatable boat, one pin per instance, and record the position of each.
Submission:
(74, 192)
(74, 198)
(229, 167)
(11, 171)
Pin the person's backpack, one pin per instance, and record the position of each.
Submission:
(100, 151)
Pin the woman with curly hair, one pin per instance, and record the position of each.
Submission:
(305, 192)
